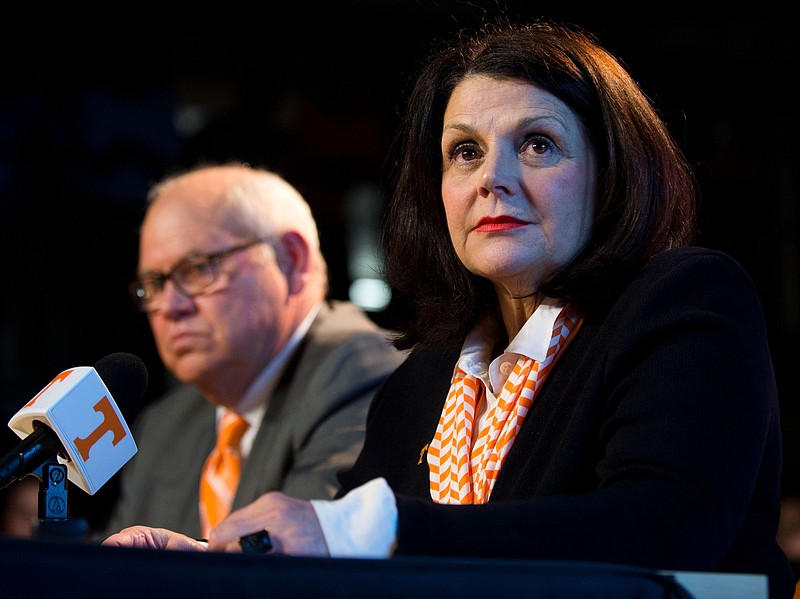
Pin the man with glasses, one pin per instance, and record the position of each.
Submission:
(234, 286)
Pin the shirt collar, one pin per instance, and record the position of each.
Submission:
(532, 340)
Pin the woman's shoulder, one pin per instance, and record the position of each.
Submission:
(692, 277)
(695, 262)
(695, 255)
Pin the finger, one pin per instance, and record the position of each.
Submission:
(118, 540)
(181, 543)
(225, 536)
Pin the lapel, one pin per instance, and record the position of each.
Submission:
(271, 451)
(540, 441)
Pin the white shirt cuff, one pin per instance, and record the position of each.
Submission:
(363, 523)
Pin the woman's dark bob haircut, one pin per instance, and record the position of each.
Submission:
(646, 193)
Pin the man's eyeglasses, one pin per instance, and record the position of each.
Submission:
(191, 276)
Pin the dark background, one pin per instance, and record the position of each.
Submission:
(91, 114)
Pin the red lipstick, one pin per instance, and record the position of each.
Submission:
(499, 223)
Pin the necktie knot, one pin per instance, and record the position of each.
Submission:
(232, 428)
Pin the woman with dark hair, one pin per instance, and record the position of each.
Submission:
(583, 383)
(644, 201)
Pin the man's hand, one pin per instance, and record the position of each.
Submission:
(144, 537)
(292, 525)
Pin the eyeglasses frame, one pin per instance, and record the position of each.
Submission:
(136, 288)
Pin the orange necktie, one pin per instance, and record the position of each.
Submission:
(221, 472)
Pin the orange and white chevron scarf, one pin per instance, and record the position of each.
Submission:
(461, 472)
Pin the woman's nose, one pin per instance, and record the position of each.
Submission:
(498, 174)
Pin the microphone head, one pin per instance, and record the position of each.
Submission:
(83, 407)
(125, 375)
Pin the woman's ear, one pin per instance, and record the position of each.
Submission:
(294, 259)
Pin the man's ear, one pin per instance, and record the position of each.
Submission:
(294, 260)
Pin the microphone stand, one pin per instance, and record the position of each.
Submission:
(54, 521)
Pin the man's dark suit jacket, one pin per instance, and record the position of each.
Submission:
(655, 440)
(314, 425)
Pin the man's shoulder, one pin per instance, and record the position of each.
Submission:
(344, 344)
(339, 321)
(341, 314)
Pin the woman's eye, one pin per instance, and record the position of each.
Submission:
(464, 153)
(537, 145)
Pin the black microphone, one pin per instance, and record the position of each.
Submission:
(77, 419)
